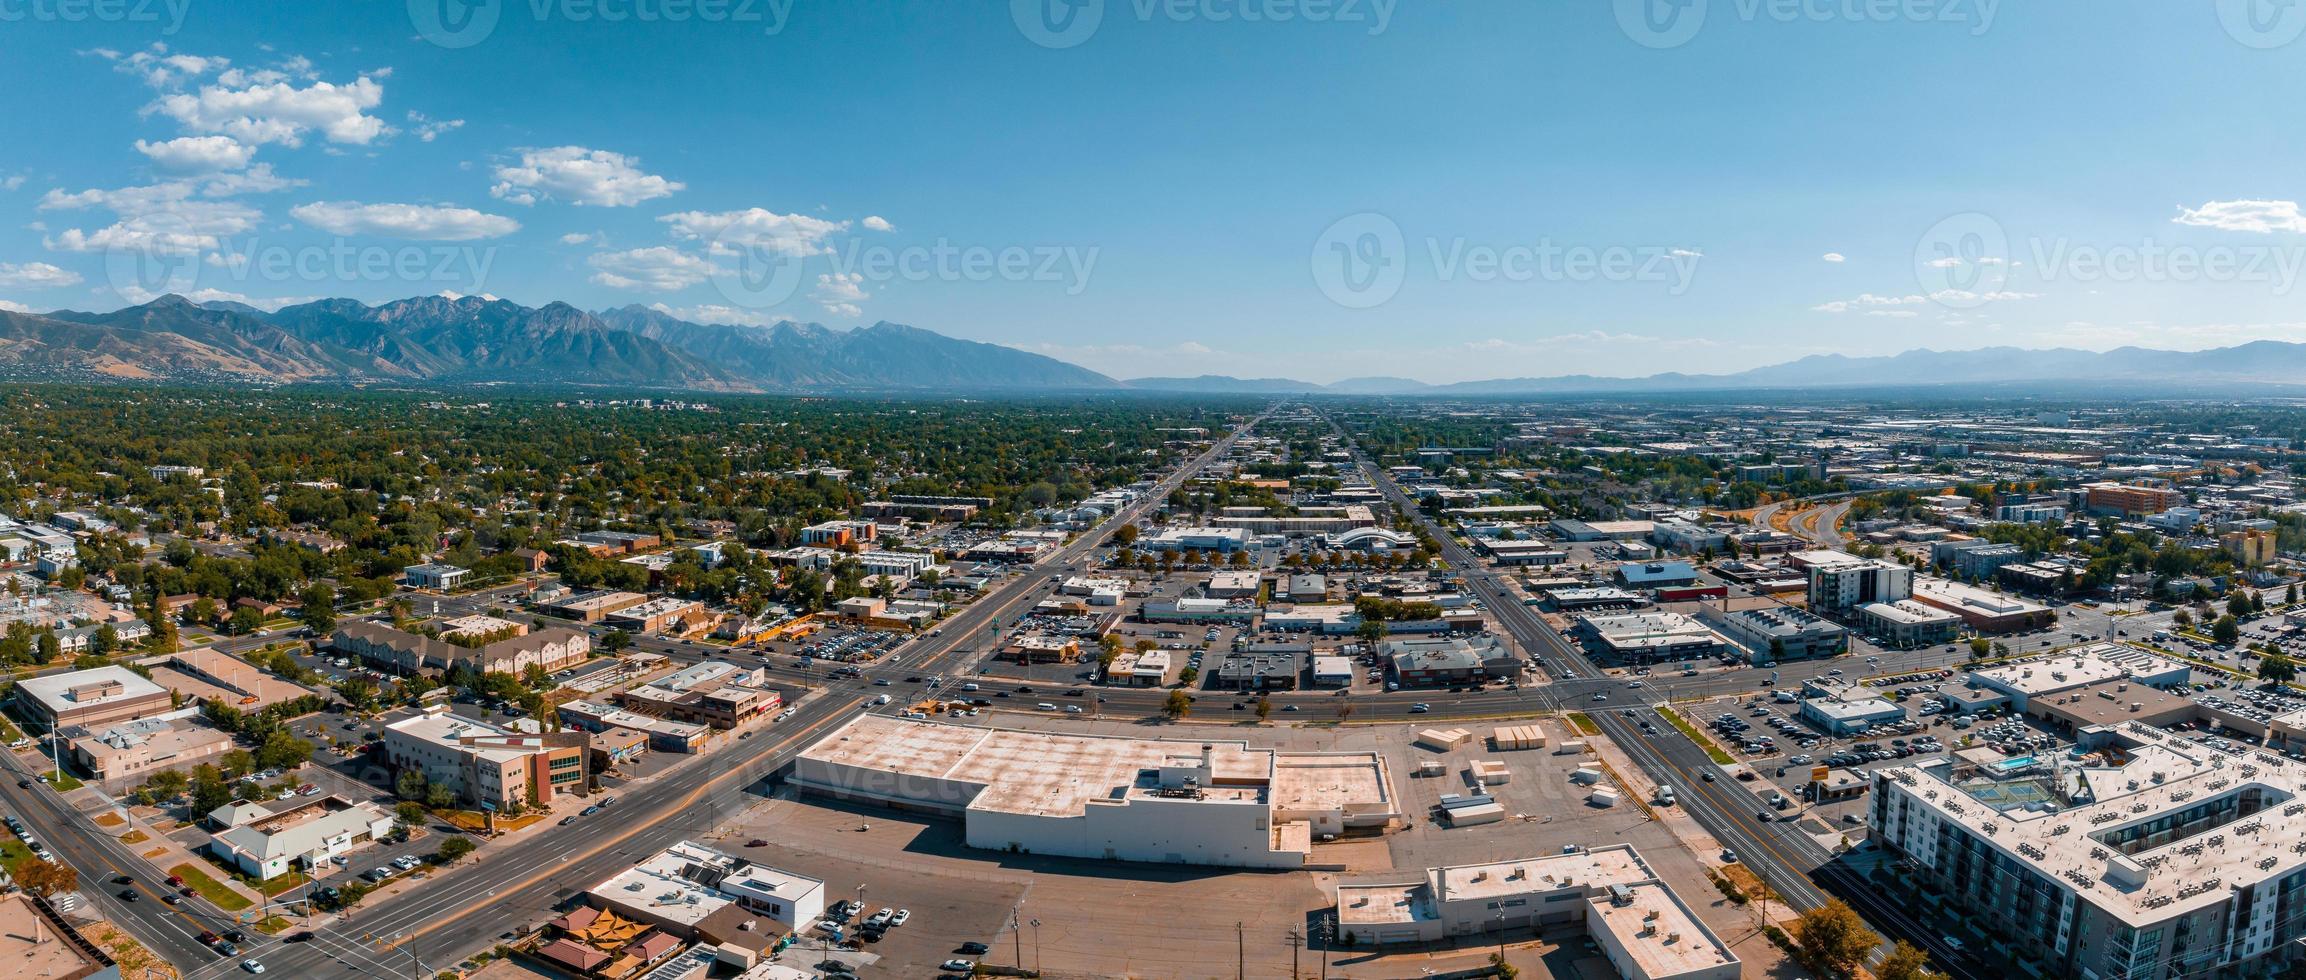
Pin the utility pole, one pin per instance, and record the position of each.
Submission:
(1240, 952)
(1296, 943)
(1321, 933)
(1016, 936)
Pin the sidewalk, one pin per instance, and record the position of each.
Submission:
(121, 822)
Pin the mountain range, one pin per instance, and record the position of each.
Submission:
(475, 339)
(479, 339)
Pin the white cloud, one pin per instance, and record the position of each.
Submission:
(2258, 216)
(427, 128)
(164, 219)
(731, 231)
(597, 178)
(1685, 253)
(658, 269)
(266, 107)
(1834, 257)
(11, 306)
(158, 67)
(1899, 314)
(12, 183)
(840, 292)
(575, 238)
(721, 315)
(198, 154)
(422, 222)
(35, 275)
(874, 222)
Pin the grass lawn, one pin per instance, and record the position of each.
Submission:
(8, 732)
(1584, 725)
(272, 925)
(134, 837)
(1712, 751)
(209, 888)
(12, 851)
(62, 780)
(272, 887)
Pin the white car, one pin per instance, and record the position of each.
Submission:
(252, 966)
(900, 918)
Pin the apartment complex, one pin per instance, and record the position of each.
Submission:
(1840, 582)
(2130, 499)
(2151, 858)
(403, 652)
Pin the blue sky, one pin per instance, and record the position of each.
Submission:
(1444, 191)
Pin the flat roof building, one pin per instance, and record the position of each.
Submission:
(1125, 799)
(1649, 637)
(1906, 624)
(94, 697)
(1635, 919)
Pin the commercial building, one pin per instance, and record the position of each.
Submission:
(1844, 582)
(92, 698)
(434, 576)
(2059, 673)
(1233, 584)
(1332, 620)
(132, 750)
(1120, 799)
(2031, 510)
(1219, 539)
(592, 607)
(666, 614)
(1656, 574)
(924, 507)
(1307, 521)
(1984, 611)
(2130, 499)
(2152, 858)
(663, 734)
(1975, 560)
(1777, 632)
(263, 842)
(489, 766)
(1906, 624)
(1250, 670)
(1636, 921)
(1449, 660)
(1522, 552)
(202, 674)
(1846, 709)
(1649, 637)
(702, 894)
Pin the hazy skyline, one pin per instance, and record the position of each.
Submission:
(1365, 188)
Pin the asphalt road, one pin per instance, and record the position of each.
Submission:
(1793, 864)
(504, 886)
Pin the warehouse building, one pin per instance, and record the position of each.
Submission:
(1119, 799)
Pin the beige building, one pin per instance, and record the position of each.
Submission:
(133, 750)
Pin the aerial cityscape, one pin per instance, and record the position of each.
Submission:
(751, 490)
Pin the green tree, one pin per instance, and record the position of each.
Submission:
(237, 762)
(2275, 668)
(1264, 708)
(616, 640)
(1832, 939)
(438, 796)
(1905, 962)
(454, 848)
(1979, 647)
(44, 878)
(1179, 704)
(282, 750)
(245, 620)
(167, 784)
(410, 785)
(1125, 535)
(49, 649)
(411, 814)
(2226, 630)
(209, 790)
(320, 608)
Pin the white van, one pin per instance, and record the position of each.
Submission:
(1044, 706)
(971, 686)
(883, 699)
